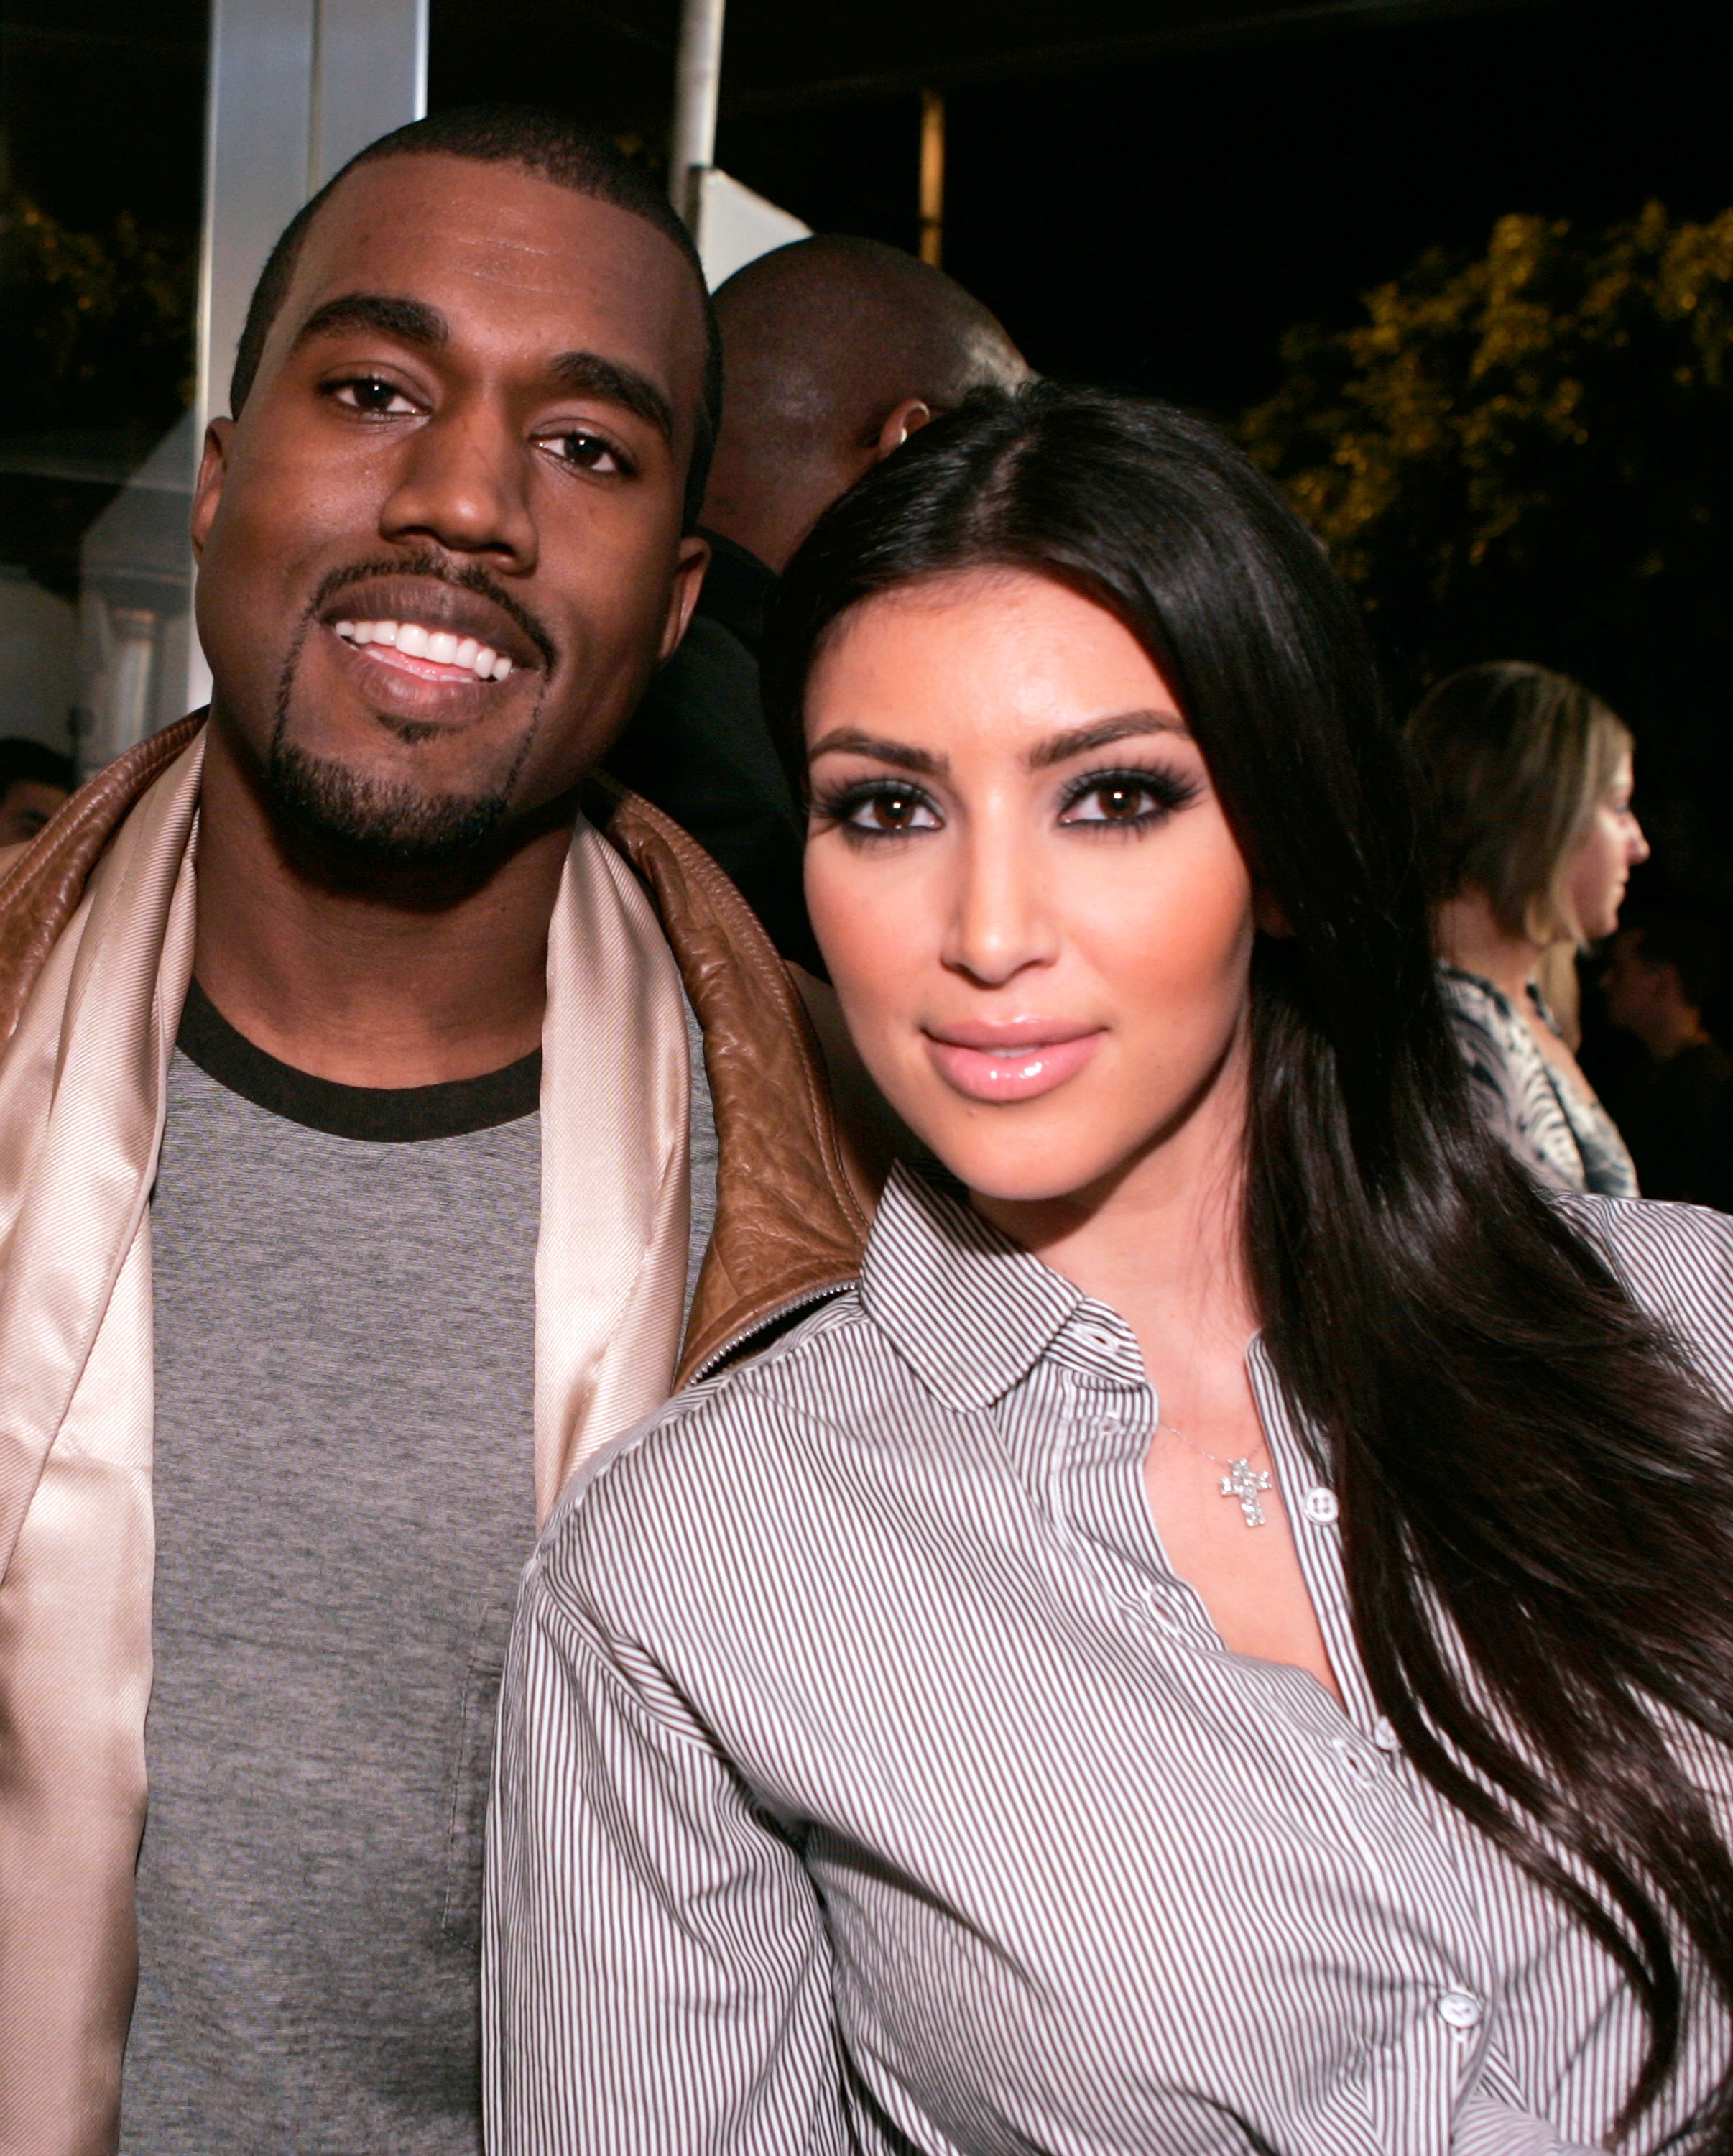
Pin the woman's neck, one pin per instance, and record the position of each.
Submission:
(1471, 938)
(1163, 1242)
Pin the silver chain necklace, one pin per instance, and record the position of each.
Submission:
(1242, 1481)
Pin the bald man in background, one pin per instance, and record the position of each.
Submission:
(834, 350)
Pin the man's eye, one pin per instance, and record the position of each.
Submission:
(585, 452)
(367, 394)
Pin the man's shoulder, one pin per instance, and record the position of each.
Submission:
(42, 882)
(797, 1183)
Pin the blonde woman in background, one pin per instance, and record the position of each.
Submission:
(1529, 778)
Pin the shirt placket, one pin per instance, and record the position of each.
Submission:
(1110, 1415)
(1108, 1412)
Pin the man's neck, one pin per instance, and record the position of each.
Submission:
(359, 988)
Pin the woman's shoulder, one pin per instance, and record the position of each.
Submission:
(1675, 1260)
(729, 1455)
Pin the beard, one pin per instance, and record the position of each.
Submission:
(373, 829)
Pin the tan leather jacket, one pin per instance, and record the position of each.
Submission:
(795, 1187)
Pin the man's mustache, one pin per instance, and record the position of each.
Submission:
(437, 569)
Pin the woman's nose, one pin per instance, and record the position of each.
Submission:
(1000, 917)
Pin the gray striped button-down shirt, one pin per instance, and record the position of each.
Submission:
(868, 1781)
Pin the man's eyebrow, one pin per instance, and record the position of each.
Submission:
(1101, 733)
(848, 742)
(411, 321)
(589, 373)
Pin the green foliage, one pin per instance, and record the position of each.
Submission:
(1528, 456)
(99, 329)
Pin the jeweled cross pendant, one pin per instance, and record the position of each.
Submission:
(1239, 1481)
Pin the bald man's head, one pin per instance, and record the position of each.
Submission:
(833, 352)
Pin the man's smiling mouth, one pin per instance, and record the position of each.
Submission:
(414, 631)
(431, 653)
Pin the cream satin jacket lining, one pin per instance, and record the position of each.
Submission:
(81, 1109)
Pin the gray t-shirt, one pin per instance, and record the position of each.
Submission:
(343, 1293)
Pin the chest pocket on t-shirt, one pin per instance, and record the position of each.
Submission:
(460, 1923)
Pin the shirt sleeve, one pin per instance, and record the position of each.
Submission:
(656, 1975)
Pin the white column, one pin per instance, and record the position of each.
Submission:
(296, 87)
(697, 82)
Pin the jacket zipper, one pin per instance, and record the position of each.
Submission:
(813, 1296)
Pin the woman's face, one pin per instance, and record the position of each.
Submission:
(1600, 868)
(1036, 917)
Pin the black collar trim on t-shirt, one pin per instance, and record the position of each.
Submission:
(386, 1115)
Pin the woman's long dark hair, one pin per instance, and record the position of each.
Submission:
(1527, 1464)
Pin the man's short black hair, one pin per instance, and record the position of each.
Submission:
(1687, 945)
(553, 147)
(25, 763)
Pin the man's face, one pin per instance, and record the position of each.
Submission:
(25, 806)
(1632, 989)
(440, 549)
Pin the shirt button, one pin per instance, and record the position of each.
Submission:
(1385, 1737)
(1460, 2009)
(1320, 1506)
(1096, 1336)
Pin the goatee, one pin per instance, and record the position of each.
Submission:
(371, 828)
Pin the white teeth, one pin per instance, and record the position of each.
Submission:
(441, 645)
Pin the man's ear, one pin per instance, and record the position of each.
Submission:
(907, 418)
(208, 494)
(692, 561)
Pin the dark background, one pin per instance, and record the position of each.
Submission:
(1156, 212)
(1144, 196)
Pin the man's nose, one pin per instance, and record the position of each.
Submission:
(1001, 917)
(464, 484)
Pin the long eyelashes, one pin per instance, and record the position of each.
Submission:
(1129, 798)
(877, 808)
(1133, 798)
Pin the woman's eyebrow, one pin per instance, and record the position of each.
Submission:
(846, 741)
(1124, 726)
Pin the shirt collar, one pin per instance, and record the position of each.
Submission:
(971, 1311)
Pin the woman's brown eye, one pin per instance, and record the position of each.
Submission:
(1111, 804)
(892, 812)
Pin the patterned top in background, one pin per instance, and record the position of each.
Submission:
(1566, 1137)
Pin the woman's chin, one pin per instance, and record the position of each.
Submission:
(1008, 1172)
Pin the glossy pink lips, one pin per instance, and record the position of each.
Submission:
(983, 1069)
